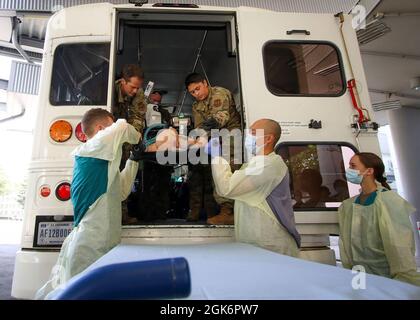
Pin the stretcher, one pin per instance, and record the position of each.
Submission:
(236, 271)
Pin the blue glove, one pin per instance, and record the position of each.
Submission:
(213, 147)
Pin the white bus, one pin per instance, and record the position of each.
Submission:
(303, 70)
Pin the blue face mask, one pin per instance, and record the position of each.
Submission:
(354, 176)
(251, 144)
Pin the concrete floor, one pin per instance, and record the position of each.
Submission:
(10, 231)
(7, 262)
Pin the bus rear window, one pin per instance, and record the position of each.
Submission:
(303, 69)
(317, 175)
(80, 74)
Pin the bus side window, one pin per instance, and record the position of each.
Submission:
(317, 174)
(303, 68)
(80, 74)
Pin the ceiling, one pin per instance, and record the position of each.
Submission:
(390, 61)
(393, 59)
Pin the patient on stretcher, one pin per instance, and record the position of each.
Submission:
(169, 139)
(159, 194)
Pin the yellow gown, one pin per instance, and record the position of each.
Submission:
(378, 236)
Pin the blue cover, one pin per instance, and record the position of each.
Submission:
(154, 279)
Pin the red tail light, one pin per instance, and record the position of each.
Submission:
(79, 133)
(62, 192)
(45, 191)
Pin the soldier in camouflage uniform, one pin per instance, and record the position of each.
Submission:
(130, 104)
(214, 109)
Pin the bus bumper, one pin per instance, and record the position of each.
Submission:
(32, 270)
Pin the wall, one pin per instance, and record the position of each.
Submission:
(405, 132)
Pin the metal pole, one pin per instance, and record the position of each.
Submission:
(15, 41)
(195, 66)
(139, 53)
(22, 112)
(204, 71)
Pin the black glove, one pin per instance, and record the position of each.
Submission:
(209, 124)
(137, 151)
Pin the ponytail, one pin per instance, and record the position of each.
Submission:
(383, 182)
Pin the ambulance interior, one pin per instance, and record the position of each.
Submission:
(168, 50)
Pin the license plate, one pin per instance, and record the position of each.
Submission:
(53, 233)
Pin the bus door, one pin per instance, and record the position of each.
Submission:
(294, 69)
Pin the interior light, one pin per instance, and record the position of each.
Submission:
(415, 83)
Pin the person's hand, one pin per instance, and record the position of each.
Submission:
(190, 141)
(213, 147)
(201, 142)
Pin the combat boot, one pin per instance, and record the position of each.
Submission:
(129, 220)
(193, 215)
(126, 219)
(224, 217)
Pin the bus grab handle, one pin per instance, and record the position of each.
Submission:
(306, 32)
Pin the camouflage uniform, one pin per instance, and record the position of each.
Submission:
(220, 106)
(133, 109)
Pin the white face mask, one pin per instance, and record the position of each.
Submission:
(251, 144)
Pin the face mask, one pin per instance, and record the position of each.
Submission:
(354, 176)
(251, 144)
